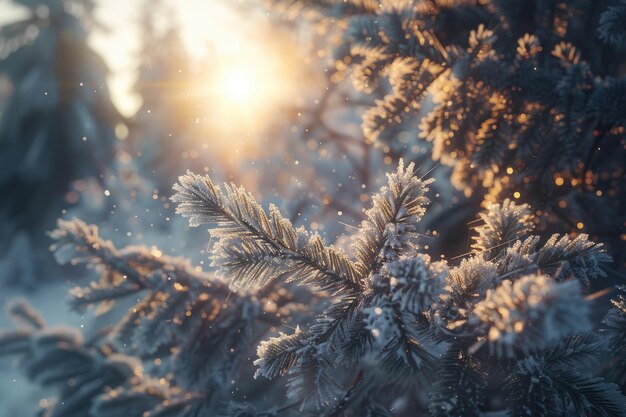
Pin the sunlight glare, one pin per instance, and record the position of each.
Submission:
(250, 86)
(239, 85)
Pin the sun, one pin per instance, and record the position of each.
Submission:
(239, 86)
(247, 89)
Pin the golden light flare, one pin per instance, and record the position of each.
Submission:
(249, 91)
(240, 86)
(243, 69)
(246, 92)
(251, 86)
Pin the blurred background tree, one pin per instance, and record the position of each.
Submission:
(57, 126)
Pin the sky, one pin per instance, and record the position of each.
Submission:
(216, 22)
(202, 22)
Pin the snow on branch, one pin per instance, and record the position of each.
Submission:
(531, 313)
(513, 311)
(390, 228)
(503, 224)
(253, 248)
(168, 290)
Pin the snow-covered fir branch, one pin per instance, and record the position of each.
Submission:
(496, 309)
(178, 312)
(254, 247)
(90, 377)
(384, 330)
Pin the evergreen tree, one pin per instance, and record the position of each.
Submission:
(382, 331)
(514, 97)
(522, 99)
(57, 127)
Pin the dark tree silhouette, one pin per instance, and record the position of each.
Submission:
(58, 125)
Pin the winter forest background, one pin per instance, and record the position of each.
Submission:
(414, 208)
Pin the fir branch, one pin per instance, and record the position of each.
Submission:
(511, 97)
(241, 223)
(95, 380)
(405, 361)
(531, 313)
(174, 292)
(21, 311)
(530, 392)
(460, 388)
(614, 327)
(612, 28)
(341, 405)
(390, 226)
(408, 78)
(127, 271)
(589, 396)
(133, 401)
(503, 224)
(310, 382)
(560, 256)
(278, 354)
(341, 329)
(415, 283)
(577, 351)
